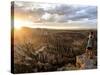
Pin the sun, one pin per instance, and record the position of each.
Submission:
(18, 24)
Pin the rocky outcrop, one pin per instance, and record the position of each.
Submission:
(84, 62)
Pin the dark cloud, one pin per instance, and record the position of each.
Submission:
(68, 12)
(89, 12)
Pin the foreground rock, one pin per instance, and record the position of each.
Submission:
(83, 62)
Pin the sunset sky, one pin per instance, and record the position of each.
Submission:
(47, 15)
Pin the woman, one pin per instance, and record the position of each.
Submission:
(90, 43)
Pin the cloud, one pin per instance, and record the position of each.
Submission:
(59, 13)
(89, 12)
(53, 17)
(46, 16)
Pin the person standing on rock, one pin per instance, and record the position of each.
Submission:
(89, 47)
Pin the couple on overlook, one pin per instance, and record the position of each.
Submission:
(90, 45)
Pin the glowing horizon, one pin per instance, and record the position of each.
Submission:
(18, 24)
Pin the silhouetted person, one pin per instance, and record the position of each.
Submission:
(90, 43)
